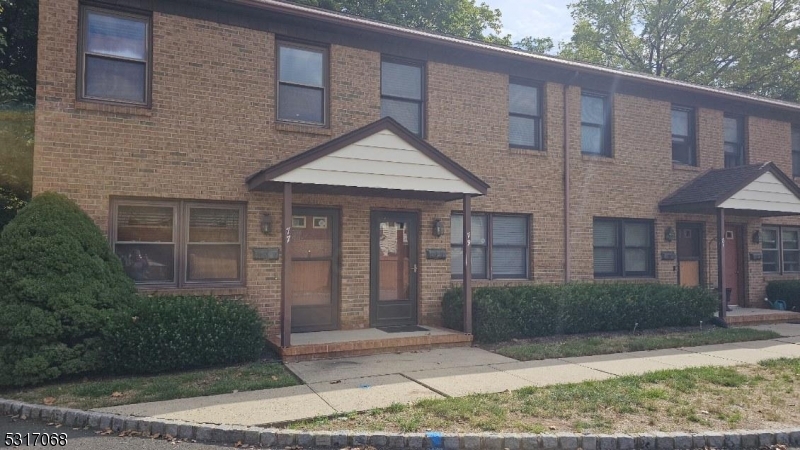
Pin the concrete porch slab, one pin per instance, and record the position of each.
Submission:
(393, 363)
(551, 371)
(362, 394)
(621, 364)
(461, 381)
(242, 408)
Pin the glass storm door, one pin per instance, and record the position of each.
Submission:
(393, 268)
(315, 269)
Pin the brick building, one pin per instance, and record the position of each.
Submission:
(212, 139)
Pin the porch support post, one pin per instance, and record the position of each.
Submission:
(467, 285)
(721, 261)
(286, 268)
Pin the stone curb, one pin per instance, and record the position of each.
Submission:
(281, 438)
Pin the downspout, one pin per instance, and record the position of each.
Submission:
(567, 253)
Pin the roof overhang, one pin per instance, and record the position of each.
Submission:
(755, 191)
(382, 159)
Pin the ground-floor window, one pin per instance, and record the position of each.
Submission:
(623, 248)
(780, 249)
(500, 245)
(179, 243)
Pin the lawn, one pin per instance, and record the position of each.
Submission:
(101, 392)
(719, 398)
(600, 344)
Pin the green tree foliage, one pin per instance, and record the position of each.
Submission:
(18, 27)
(16, 160)
(59, 284)
(535, 45)
(460, 18)
(745, 45)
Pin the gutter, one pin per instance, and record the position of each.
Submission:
(497, 50)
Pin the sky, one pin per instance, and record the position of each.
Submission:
(537, 18)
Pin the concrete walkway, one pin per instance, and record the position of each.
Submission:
(363, 383)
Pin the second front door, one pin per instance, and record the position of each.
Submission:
(393, 268)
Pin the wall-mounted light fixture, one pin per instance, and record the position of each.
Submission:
(266, 223)
(757, 237)
(669, 234)
(438, 227)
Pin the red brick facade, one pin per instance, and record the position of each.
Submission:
(212, 123)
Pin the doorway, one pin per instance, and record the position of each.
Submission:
(393, 268)
(315, 269)
(734, 261)
(690, 254)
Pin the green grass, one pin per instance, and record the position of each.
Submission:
(102, 392)
(567, 346)
(689, 400)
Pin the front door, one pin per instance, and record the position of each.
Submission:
(315, 269)
(393, 268)
(733, 263)
(690, 254)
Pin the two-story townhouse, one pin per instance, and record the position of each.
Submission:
(321, 166)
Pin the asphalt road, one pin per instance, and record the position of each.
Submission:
(88, 440)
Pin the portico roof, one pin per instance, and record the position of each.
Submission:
(380, 159)
(760, 190)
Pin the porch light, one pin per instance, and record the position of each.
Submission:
(757, 237)
(438, 227)
(669, 234)
(266, 223)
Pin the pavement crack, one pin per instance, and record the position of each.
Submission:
(424, 385)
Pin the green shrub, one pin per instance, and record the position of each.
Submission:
(510, 312)
(59, 283)
(786, 290)
(172, 333)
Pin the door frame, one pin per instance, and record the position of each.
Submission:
(700, 227)
(741, 282)
(375, 217)
(336, 274)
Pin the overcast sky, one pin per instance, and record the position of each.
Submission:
(537, 18)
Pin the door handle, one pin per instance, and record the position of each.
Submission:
(414, 268)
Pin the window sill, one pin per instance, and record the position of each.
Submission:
(643, 279)
(685, 167)
(597, 158)
(236, 290)
(302, 128)
(130, 110)
(527, 151)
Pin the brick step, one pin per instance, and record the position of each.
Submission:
(766, 317)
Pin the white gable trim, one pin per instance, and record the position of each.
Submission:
(766, 193)
(380, 161)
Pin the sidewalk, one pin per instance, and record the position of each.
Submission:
(363, 383)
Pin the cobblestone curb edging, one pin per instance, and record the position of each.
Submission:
(280, 438)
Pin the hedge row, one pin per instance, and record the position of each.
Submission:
(786, 290)
(511, 312)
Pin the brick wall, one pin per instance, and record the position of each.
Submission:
(212, 123)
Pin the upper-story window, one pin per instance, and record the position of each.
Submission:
(595, 124)
(796, 150)
(683, 136)
(302, 83)
(733, 130)
(402, 93)
(114, 56)
(524, 116)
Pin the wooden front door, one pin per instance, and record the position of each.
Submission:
(393, 268)
(315, 269)
(734, 275)
(690, 254)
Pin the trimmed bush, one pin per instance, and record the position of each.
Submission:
(59, 284)
(786, 290)
(512, 312)
(169, 333)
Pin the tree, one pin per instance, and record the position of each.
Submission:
(744, 45)
(16, 160)
(18, 27)
(535, 45)
(460, 18)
